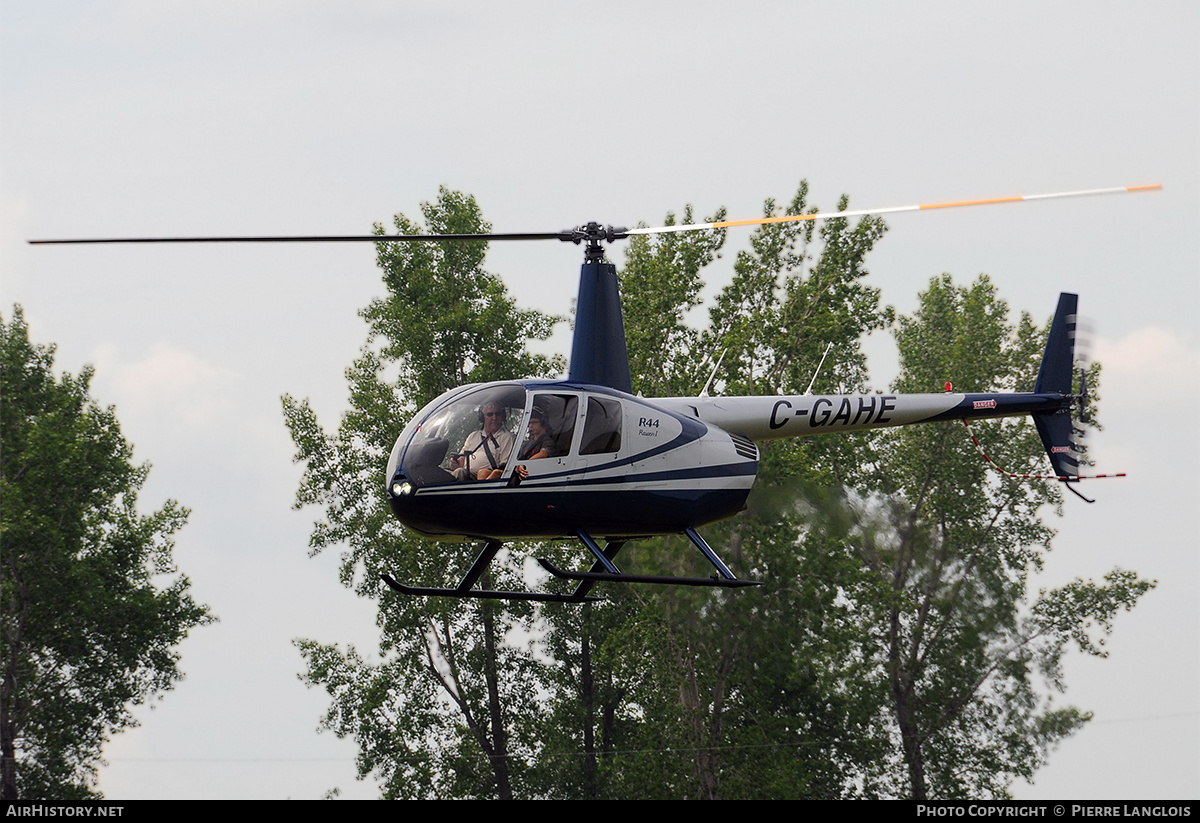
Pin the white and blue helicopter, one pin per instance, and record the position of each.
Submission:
(601, 465)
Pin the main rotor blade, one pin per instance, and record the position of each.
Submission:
(795, 218)
(337, 238)
(592, 233)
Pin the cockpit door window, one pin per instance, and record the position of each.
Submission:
(555, 427)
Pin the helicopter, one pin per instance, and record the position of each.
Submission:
(602, 465)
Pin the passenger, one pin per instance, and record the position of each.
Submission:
(539, 444)
(484, 452)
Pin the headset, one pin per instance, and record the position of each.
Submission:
(503, 411)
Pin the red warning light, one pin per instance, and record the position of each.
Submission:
(947, 386)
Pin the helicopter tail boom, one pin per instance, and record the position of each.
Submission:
(805, 415)
(1050, 404)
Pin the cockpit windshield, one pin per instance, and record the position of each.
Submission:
(470, 437)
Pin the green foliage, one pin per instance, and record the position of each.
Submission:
(446, 321)
(751, 693)
(779, 313)
(433, 717)
(894, 649)
(953, 545)
(660, 284)
(85, 631)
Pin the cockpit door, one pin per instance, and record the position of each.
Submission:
(550, 423)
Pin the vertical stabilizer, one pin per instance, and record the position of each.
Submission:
(1057, 428)
(1057, 364)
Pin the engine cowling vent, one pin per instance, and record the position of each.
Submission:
(745, 446)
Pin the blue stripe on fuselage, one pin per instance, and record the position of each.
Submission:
(543, 481)
(553, 512)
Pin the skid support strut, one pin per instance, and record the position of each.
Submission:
(464, 590)
(604, 570)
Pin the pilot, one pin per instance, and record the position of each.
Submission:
(485, 451)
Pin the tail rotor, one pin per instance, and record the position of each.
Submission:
(1069, 343)
(1063, 430)
(1083, 362)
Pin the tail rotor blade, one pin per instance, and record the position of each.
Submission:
(1083, 360)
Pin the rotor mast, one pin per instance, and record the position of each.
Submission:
(598, 352)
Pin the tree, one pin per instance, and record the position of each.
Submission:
(953, 546)
(434, 717)
(752, 693)
(660, 284)
(86, 632)
(767, 700)
(891, 651)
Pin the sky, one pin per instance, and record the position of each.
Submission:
(144, 118)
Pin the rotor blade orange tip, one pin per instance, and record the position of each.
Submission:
(989, 201)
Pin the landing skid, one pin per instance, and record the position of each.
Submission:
(600, 577)
(603, 570)
(484, 594)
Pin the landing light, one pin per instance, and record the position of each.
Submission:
(399, 489)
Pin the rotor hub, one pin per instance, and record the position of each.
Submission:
(593, 233)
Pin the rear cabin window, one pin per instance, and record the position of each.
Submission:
(601, 427)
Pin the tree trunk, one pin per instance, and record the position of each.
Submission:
(910, 737)
(499, 755)
(588, 692)
(8, 757)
